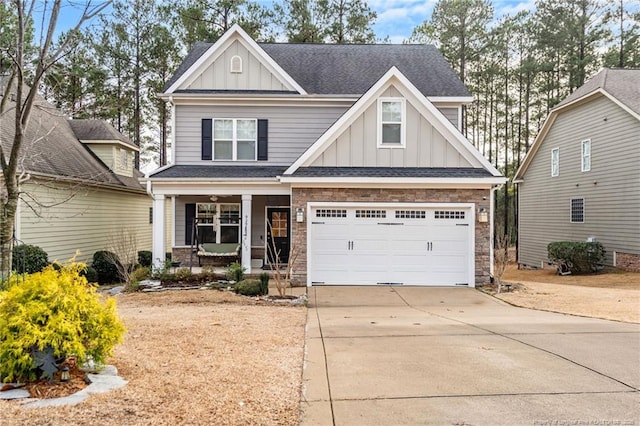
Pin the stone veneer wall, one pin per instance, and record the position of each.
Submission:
(628, 262)
(300, 197)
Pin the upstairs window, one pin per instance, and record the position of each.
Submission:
(235, 139)
(586, 155)
(391, 122)
(555, 162)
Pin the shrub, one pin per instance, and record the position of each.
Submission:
(90, 274)
(145, 258)
(139, 274)
(104, 266)
(235, 272)
(183, 274)
(29, 259)
(264, 282)
(249, 288)
(55, 311)
(578, 256)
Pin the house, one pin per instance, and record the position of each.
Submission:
(349, 157)
(581, 179)
(82, 188)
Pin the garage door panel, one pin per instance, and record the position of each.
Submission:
(415, 247)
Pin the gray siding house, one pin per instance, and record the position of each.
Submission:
(77, 178)
(581, 178)
(349, 157)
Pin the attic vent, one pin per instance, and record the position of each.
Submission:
(236, 64)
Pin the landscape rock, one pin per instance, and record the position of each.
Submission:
(149, 283)
(115, 290)
(14, 394)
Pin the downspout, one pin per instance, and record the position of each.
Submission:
(492, 197)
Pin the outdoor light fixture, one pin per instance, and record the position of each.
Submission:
(299, 215)
(64, 374)
(483, 215)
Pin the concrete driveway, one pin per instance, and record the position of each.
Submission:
(408, 355)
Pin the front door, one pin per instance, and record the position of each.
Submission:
(278, 236)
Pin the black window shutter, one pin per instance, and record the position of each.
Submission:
(207, 139)
(263, 140)
(190, 215)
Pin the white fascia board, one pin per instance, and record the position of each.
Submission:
(546, 126)
(379, 182)
(450, 99)
(218, 47)
(110, 142)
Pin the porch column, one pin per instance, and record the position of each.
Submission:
(158, 248)
(246, 232)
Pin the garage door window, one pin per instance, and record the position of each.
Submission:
(371, 213)
(331, 213)
(411, 214)
(449, 214)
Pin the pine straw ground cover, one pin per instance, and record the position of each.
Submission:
(194, 357)
(612, 294)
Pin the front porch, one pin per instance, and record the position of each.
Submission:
(184, 223)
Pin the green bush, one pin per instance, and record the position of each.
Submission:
(145, 258)
(29, 259)
(579, 256)
(264, 282)
(235, 272)
(249, 288)
(90, 274)
(140, 273)
(183, 274)
(54, 311)
(104, 266)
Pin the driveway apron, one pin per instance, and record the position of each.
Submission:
(411, 355)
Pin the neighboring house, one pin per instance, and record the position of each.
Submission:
(352, 155)
(581, 178)
(83, 188)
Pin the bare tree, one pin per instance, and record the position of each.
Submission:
(123, 251)
(500, 258)
(22, 86)
(282, 280)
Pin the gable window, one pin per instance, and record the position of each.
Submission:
(236, 64)
(235, 139)
(555, 162)
(577, 210)
(391, 122)
(586, 155)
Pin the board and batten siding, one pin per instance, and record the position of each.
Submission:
(84, 220)
(291, 130)
(218, 75)
(611, 190)
(357, 146)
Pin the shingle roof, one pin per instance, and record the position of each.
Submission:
(351, 69)
(220, 172)
(52, 148)
(623, 84)
(393, 172)
(92, 130)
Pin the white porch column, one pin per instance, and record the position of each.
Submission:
(246, 232)
(158, 248)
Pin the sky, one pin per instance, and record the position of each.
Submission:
(396, 18)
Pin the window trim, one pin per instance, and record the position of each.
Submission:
(555, 162)
(571, 200)
(586, 142)
(234, 139)
(215, 217)
(403, 122)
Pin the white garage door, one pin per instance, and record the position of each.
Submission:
(398, 245)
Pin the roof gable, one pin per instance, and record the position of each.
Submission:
(621, 86)
(394, 82)
(200, 68)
